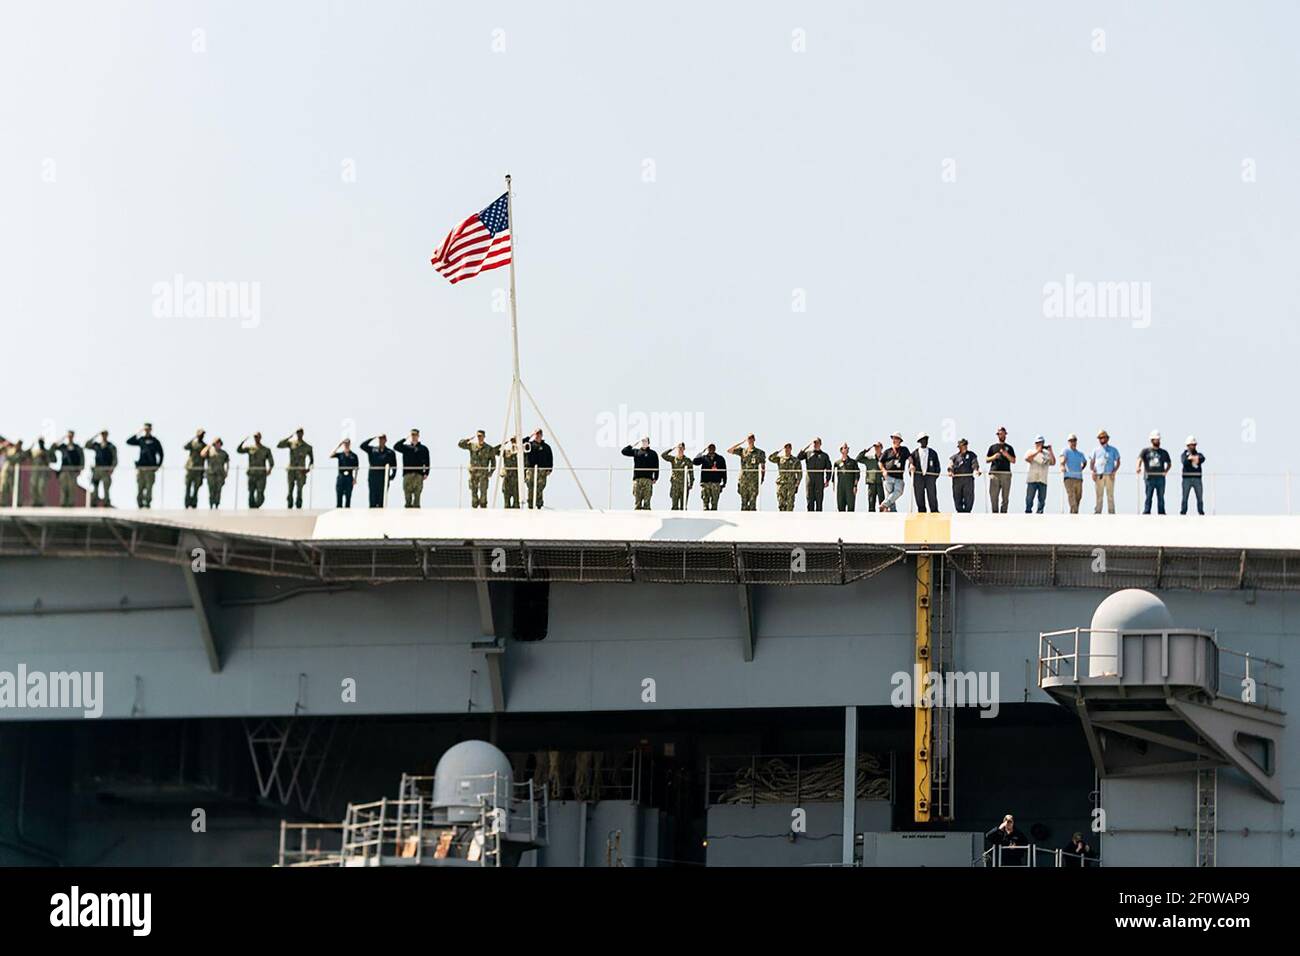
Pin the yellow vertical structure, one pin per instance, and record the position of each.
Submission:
(924, 727)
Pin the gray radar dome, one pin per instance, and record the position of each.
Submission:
(1129, 610)
(464, 777)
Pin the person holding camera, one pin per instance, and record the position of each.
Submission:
(1000, 457)
(1192, 462)
(1039, 460)
(1076, 852)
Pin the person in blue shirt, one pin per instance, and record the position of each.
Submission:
(1155, 461)
(1073, 462)
(1103, 465)
(383, 466)
(347, 476)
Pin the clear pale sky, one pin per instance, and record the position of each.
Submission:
(681, 170)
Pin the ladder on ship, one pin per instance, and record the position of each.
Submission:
(944, 718)
(935, 653)
(1207, 822)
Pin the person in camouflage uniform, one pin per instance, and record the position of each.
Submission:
(39, 462)
(101, 473)
(482, 463)
(260, 462)
(538, 463)
(15, 458)
(510, 474)
(683, 477)
(753, 470)
(846, 474)
(71, 460)
(645, 472)
(194, 468)
(218, 468)
(301, 459)
(875, 477)
(148, 462)
(415, 467)
(713, 476)
(789, 474)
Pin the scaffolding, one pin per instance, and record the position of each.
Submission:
(410, 830)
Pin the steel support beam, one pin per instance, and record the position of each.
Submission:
(203, 600)
(1141, 733)
(746, 622)
(486, 623)
(850, 827)
(493, 654)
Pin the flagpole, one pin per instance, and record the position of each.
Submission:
(514, 336)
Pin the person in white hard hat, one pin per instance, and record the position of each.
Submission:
(1072, 465)
(1154, 460)
(1192, 462)
(925, 474)
(1039, 460)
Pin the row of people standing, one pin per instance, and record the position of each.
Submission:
(883, 472)
(207, 463)
(66, 460)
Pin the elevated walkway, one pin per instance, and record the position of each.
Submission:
(717, 547)
(1167, 700)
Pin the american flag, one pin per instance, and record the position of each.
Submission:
(480, 243)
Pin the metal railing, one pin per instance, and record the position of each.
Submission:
(1263, 674)
(1068, 654)
(310, 844)
(610, 486)
(1066, 658)
(593, 775)
(408, 828)
(1033, 855)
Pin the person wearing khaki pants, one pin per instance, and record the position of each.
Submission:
(1103, 465)
(1000, 457)
(1074, 493)
(1072, 462)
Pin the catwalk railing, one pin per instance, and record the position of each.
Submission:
(1067, 656)
(611, 487)
(331, 563)
(1033, 856)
